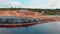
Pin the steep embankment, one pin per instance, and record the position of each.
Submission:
(27, 14)
(24, 14)
(20, 13)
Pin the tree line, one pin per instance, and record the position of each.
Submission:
(46, 11)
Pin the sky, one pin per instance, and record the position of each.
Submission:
(44, 4)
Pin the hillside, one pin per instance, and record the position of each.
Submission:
(46, 11)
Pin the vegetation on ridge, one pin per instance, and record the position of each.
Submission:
(46, 11)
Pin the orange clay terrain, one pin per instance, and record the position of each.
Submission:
(24, 14)
(27, 14)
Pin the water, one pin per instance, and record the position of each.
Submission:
(17, 20)
(46, 28)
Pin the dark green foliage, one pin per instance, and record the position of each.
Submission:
(47, 11)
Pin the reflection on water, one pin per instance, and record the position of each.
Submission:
(46, 28)
(17, 20)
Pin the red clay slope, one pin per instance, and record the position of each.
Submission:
(23, 14)
(27, 14)
(19, 13)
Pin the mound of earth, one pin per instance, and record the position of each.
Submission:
(23, 16)
(16, 17)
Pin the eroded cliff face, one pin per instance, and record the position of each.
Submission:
(25, 16)
(19, 16)
(20, 13)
